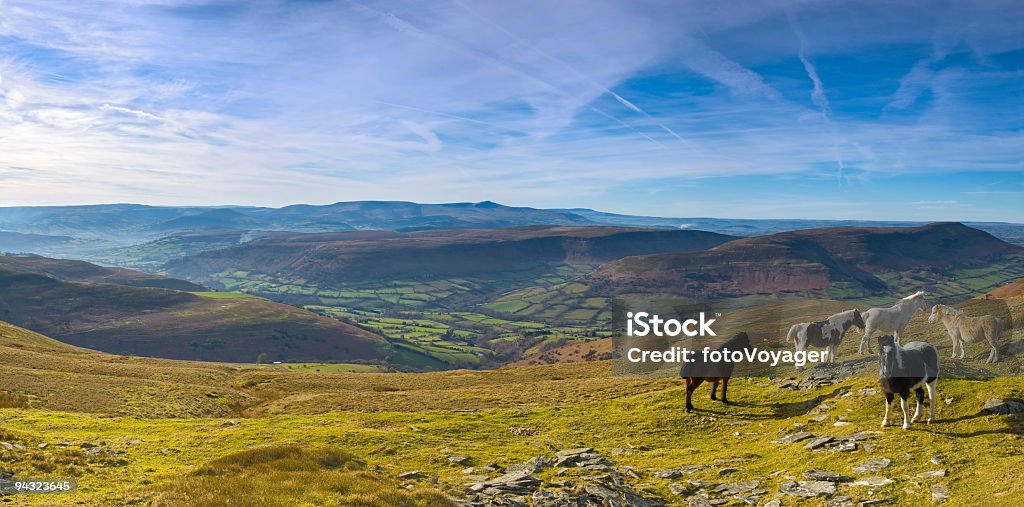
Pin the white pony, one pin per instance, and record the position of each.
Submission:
(891, 320)
(965, 329)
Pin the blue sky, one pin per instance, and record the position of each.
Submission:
(757, 109)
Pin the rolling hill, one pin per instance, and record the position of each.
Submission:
(121, 311)
(81, 271)
(152, 255)
(332, 259)
(844, 262)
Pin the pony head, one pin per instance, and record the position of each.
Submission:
(935, 314)
(917, 299)
(741, 340)
(886, 355)
(858, 320)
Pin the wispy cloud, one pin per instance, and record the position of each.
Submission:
(550, 104)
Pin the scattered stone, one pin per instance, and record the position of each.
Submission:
(822, 475)
(773, 503)
(87, 445)
(874, 501)
(43, 445)
(671, 473)
(872, 465)
(819, 418)
(728, 470)
(585, 455)
(840, 424)
(847, 447)
(861, 436)
(818, 442)
(678, 489)
(736, 488)
(939, 493)
(840, 501)
(869, 447)
(1003, 407)
(936, 460)
(808, 489)
(795, 437)
(933, 473)
(703, 484)
(7, 445)
(874, 481)
(412, 474)
(458, 460)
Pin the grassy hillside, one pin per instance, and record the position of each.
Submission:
(320, 437)
(156, 322)
(80, 271)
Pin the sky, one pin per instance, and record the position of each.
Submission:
(743, 109)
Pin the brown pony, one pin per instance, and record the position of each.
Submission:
(697, 371)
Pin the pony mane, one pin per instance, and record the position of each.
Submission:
(952, 311)
(913, 296)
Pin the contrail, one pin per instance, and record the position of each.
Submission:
(818, 97)
(604, 89)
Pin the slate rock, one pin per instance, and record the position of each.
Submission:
(808, 489)
(818, 442)
(1003, 407)
(822, 475)
(872, 465)
(874, 481)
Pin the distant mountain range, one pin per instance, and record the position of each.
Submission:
(87, 230)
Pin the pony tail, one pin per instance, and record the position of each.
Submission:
(792, 332)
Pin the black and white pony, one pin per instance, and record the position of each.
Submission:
(891, 320)
(911, 367)
(826, 333)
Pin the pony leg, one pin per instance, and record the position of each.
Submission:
(932, 394)
(691, 385)
(865, 341)
(714, 387)
(725, 390)
(888, 409)
(919, 394)
(962, 351)
(955, 341)
(905, 405)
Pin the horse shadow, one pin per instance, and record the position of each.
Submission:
(778, 410)
(1014, 426)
